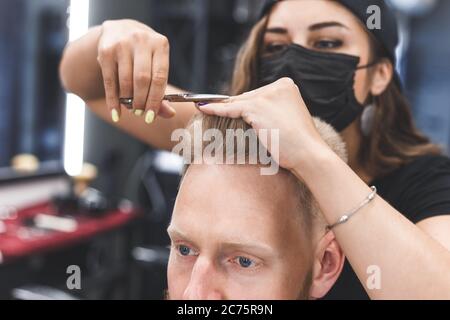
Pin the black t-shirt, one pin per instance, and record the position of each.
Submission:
(418, 190)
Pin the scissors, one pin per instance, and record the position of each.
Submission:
(182, 97)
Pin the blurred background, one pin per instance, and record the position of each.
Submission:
(109, 216)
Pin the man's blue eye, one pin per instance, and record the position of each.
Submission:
(184, 251)
(245, 262)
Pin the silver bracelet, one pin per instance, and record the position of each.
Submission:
(347, 216)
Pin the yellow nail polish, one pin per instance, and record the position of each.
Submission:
(138, 112)
(149, 117)
(115, 115)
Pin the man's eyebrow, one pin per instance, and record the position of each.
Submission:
(327, 24)
(231, 244)
(171, 230)
(249, 246)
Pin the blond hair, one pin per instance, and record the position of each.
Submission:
(310, 213)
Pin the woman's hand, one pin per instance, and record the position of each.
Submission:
(134, 61)
(276, 106)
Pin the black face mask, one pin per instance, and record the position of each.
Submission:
(325, 81)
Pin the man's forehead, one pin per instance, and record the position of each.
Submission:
(240, 187)
(236, 198)
(239, 175)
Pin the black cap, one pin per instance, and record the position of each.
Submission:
(387, 35)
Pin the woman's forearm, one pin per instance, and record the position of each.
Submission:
(412, 265)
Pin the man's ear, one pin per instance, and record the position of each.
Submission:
(327, 265)
(382, 74)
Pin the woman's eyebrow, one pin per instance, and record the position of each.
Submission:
(313, 27)
(327, 24)
(277, 30)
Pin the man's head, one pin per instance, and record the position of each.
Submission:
(237, 234)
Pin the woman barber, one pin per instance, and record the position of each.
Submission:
(303, 58)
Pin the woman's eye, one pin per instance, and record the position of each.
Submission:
(273, 48)
(185, 251)
(245, 262)
(327, 44)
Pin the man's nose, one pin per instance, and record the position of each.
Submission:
(204, 282)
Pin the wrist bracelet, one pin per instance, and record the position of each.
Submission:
(347, 216)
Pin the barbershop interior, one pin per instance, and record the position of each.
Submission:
(95, 204)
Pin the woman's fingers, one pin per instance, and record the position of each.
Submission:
(125, 70)
(235, 109)
(134, 60)
(270, 90)
(160, 75)
(239, 106)
(166, 110)
(110, 81)
(141, 78)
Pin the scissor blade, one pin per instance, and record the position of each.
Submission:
(183, 97)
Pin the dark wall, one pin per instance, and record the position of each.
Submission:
(428, 72)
